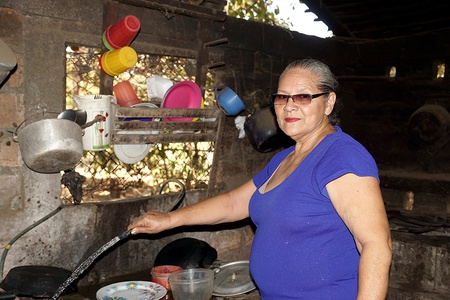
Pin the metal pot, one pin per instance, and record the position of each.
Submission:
(51, 145)
(263, 132)
(429, 126)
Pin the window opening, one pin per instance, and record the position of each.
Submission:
(440, 70)
(393, 72)
(289, 14)
(107, 178)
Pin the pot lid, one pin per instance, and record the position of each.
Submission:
(233, 279)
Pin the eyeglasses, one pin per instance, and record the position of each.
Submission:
(301, 99)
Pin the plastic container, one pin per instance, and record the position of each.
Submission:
(125, 94)
(192, 284)
(229, 101)
(157, 86)
(160, 274)
(121, 33)
(97, 137)
(117, 61)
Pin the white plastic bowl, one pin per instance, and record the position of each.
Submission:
(192, 284)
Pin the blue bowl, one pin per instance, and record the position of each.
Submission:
(229, 101)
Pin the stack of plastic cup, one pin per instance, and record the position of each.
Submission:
(125, 94)
(117, 61)
(121, 33)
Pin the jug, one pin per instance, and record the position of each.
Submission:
(98, 136)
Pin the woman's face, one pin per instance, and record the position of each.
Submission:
(300, 121)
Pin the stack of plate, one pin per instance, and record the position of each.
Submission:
(133, 153)
(132, 290)
(185, 94)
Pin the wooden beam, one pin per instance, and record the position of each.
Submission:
(180, 8)
(110, 14)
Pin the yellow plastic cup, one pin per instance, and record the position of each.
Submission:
(117, 61)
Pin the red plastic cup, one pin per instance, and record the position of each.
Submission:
(160, 274)
(125, 94)
(121, 33)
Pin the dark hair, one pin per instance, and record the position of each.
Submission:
(327, 81)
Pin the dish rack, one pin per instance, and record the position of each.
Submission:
(206, 125)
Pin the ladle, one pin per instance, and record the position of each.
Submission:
(78, 116)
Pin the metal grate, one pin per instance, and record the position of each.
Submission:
(104, 177)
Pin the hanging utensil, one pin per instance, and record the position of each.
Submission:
(50, 145)
(77, 116)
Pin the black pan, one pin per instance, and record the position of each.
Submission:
(188, 253)
(35, 281)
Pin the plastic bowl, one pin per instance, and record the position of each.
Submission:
(229, 101)
(192, 284)
(160, 274)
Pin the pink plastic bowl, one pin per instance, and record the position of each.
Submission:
(160, 274)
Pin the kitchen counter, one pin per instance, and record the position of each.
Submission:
(89, 292)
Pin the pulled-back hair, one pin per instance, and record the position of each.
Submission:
(327, 80)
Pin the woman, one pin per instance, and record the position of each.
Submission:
(321, 226)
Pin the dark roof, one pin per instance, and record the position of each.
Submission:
(381, 19)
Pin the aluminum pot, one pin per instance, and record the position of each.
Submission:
(51, 145)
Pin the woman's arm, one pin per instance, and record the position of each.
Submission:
(359, 203)
(227, 207)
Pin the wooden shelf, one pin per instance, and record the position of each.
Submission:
(126, 130)
(208, 128)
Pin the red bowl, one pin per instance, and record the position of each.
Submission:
(160, 274)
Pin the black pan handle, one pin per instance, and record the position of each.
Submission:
(124, 235)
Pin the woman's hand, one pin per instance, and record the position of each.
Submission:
(151, 222)
(226, 207)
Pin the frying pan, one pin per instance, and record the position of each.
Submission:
(188, 253)
(35, 281)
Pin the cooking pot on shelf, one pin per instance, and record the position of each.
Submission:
(50, 145)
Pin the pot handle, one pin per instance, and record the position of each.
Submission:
(15, 138)
(220, 87)
(10, 295)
